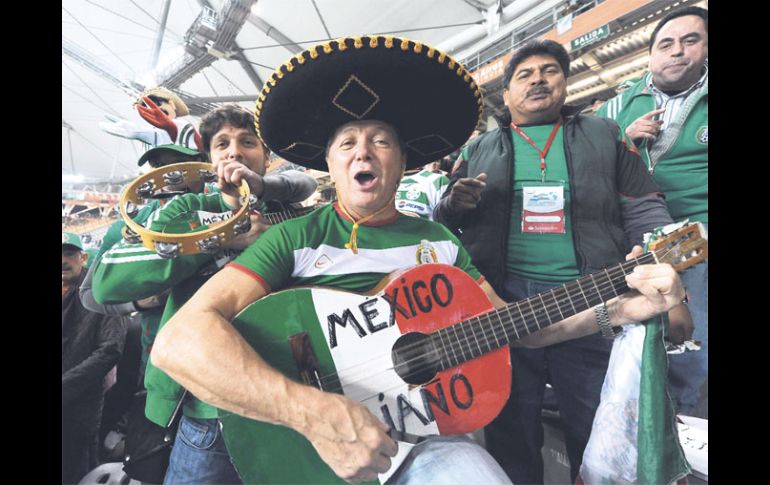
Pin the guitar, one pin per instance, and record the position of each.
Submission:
(427, 352)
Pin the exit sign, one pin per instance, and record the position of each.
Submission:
(589, 38)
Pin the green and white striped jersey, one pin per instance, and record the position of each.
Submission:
(310, 250)
(129, 272)
(418, 194)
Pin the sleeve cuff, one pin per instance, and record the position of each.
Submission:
(252, 274)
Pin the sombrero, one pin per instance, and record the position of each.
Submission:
(428, 97)
(161, 92)
(167, 154)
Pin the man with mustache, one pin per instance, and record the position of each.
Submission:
(666, 115)
(547, 197)
(91, 345)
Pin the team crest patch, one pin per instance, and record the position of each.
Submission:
(413, 193)
(426, 253)
(702, 136)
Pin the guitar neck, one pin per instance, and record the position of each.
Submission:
(484, 333)
(276, 217)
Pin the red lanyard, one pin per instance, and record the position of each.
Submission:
(544, 151)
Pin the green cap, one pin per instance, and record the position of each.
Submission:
(168, 154)
(71, 239)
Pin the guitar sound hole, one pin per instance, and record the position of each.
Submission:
(415, 360)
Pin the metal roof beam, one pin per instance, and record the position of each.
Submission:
(275, 34)
(240, 56)
(159, 36)
(89, 61)
(231, 19)
(223, 99)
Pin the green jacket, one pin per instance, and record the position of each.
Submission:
(679, 163)
(149, 318)
(130, 272)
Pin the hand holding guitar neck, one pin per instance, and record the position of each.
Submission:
(658, 289)
(680, 323)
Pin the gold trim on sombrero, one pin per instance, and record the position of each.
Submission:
(171, 245)
(411, 143)
(299, 144)
(345, 87)
(358, 43)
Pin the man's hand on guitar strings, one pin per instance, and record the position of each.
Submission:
(348, 437)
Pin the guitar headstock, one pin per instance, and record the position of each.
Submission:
(682, 247)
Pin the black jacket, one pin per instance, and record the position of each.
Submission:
(614, 200)
(91, 344)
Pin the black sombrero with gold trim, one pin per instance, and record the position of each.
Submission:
(429, 98)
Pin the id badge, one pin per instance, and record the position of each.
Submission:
(543, 209)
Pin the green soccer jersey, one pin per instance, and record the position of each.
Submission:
(311, 250)
(533, 255)
(678, 160)
(131, 272)
(418, 194)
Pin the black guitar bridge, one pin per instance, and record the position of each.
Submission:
(306, 360)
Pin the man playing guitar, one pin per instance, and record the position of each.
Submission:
(380, 105)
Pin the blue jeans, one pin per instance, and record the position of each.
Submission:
(575, 369)
(199, 455)
(688, 371)
(448, 460)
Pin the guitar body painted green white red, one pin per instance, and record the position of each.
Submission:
(352, 336)
(426, 352)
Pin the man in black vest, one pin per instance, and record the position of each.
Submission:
(547, 197)
(91, 344)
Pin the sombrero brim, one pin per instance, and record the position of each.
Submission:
(169, 154)
(179, 106)
(429, 98)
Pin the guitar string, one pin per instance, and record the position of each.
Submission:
(460, 339)
(519, 324)
(460, 343)
(287, 214)
(463, 341)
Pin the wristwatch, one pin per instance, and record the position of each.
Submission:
(603, 320)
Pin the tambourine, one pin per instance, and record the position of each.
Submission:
(175, 179)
